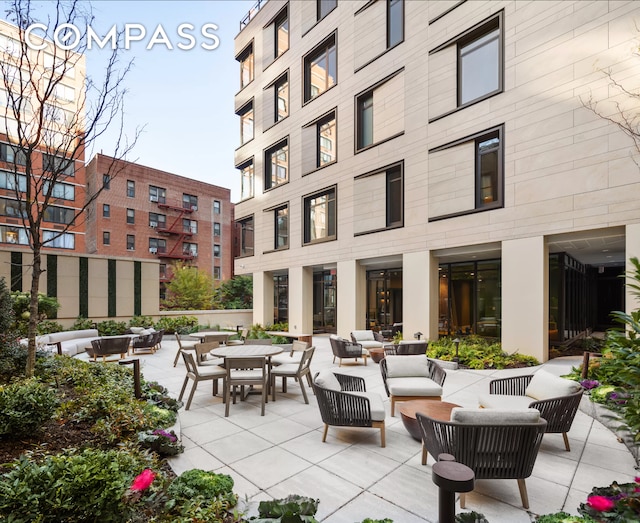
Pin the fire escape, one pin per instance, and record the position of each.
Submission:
(176, 230)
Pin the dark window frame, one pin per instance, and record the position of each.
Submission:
(241, 58)
(241, 167)
(106, 207)
(332, 116)
(306, 209)
(390, 5)
(106, 182)
(323, 48)
(131, 216)
(131, 189)
(131, 242)
(242, 113)
(276, 228)
(280, 18)
(280, 81)
(241, 230)
(319, 10)
(106, 238)
(268, 173)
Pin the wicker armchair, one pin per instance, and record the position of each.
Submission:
(503, 446)
(346, 349)
(109, 346)
(408, 347)
(556, 398)
(344, 402)
(148, 342)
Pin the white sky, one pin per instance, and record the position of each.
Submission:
(184, 99)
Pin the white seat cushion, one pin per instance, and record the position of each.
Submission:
(211, 370)
(376, 404)
(407, 366)
(288, 368)
(413, 386)
(327, 380)
(286, 359)
(545, 385)
(494, 416)
(504, 401)
(215, 362)
(370, 344)
(248, 374)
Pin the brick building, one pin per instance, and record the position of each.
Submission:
(151, 214)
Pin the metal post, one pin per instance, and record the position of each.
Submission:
(451, 477)
(137, 389)
(457, 342)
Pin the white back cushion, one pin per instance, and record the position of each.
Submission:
(407, 366)
(545, 385)
(363, 335)
(494, 416)
(327, 380)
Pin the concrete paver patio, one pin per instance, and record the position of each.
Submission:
(281, 453)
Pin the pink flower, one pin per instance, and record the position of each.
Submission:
(600, 503)
(637, 478)
(143, 480)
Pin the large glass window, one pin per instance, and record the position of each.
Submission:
(280, 298)
(365, 120)
(324, 7)
(244, 230)
(281, 27)
(58, 165)
(276, 161)
(11, 154)
(246, 180)
(281, 227)
(320, 69)
(17, 235)
(320, 216)
(246, 66)
(326, 145)
(8, 181)
(395, 22)
(395, 197)
(63, 191)
(13, 208)
(59, 215)
(281, 94)
(61, 241)
(489, 175)
(480, 63)
(384, 301)
(246, 123)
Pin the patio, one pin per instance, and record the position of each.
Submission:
(281, 453)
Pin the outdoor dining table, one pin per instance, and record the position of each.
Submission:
(223, 335)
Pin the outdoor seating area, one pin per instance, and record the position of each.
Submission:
(299, 448)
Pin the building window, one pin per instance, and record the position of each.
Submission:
(326, 144)
(157, 220)
(106, 238)
(57, 165)
(246, 123)
(244, 230)
(59, 215)
(131, 216)
(190, 249)
(157, 194)
(320, 216)
(395, 22)
(246, 180)
(11, 154)
(61, 241)
(365, 120)
(480, 62)
(276, 162)
(157, 245)
(216, 250)
(246, 66)
(395, 197)
(13, 208)
(324, 7)
(281, 28)
(216, 228)
(217, 273)
(9, 181)
(189, 226)
(320, 69)
(62, 191)
(489, 175)
(131, 189)
(385, 185)
(163, 269)
(131, 242)
(189, 201)
(216, 207)
(17, 235)
(281, 227)
(106, 182)
(281, 95)
(106, 210)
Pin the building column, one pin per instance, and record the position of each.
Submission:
(301, 300)
(351, 298)
(525, 297)
(420, 294)
(632, 250)
(262, 298)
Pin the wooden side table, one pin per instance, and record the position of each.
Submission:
(440, 410)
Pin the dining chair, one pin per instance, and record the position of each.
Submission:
(243, 371)
(203, 358)
(189, 345)
(200, 374)
(293, 370)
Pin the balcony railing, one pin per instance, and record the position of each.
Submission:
(252, 12)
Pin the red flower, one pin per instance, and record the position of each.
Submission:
(600, 503)
(637, 479)
(143, 480)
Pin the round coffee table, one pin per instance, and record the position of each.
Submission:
(376, 354)
(440, 410)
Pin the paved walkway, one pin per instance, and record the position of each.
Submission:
(281, 453)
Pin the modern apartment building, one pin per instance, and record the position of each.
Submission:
(153, 214)
(435, 164)
(23, 80)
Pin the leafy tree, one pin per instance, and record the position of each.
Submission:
(236, 293)
(49, 132)
(189, 289)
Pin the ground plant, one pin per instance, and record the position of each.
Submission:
(47, 308)
(180, 324)
(476, 352)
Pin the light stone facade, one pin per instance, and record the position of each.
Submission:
(569, 179)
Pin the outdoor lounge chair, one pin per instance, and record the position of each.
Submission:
(346, 349)
(109, 346)
(556, 398)
(495, 444)
(344, 402)
(368, 339)
(411, 377)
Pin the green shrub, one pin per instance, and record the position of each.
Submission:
(196, 482)
(47, 308)
(563, 517)
(82, 324)
(471, 517)
(13, 359)
(141, 321)
(48, 326)
(180, 324)
(24, 407)
(163, 442)
(292, 509)
(85, 485)
(111, 328)
(476, 352)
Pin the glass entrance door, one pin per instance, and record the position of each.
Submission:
(384, 300)
(324, 301)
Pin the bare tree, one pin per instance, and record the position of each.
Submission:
(50, 127)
